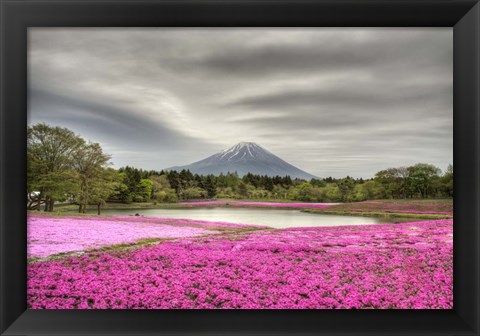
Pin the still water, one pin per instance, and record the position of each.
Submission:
(269, 217)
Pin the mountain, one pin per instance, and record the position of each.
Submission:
(243, 158)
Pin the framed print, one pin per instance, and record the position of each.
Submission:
(207, 167)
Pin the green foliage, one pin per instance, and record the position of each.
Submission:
(346, 187)
(423, 178)
(90, 163)
(230, 180)
(58, 185)
(159, 182)
(52, 148)
(318, 183)
(167, 195)
(144, 190)
(193, 193)
(226, 192)
(279, 192)
(62, 166)
(446, 181)
(130, 181)
(209, 186)
(50, 155)
(161, 190)
(305, 192)
(332, 192)
(243, 189)
(369, 190)
(103, 186)
(420, 180)
(128, 199)
(391, 183)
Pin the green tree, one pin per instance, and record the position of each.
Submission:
(403, 178)
(160, 182)
(210, 186)
(279, 191)
(318, 182)
(57, 186)
(193, 193)
(50, 154)
(422, 177)
(144, 190)
(226, 192)
(167, 195)
(105, 184)
(447, 181)
(161, 190)
(389, 179)
(174, 180)
(346, 187)
(369, 190)
(242, 189)
(332, 192)
(89, 163)
(303, 192)
(131, 181)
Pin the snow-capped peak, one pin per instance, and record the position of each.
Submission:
(242, 151)
(245, 157)
(246, 144)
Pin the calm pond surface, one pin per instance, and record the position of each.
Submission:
(269, 217)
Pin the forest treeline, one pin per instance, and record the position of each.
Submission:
(64, 167)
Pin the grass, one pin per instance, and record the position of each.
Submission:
(407, 209)
(115, 247)
(145, 242)
(415, 200)
(268, 199)
(152, 205)
(396, 215)
(244, 230)
(57, 213)
(120, 206)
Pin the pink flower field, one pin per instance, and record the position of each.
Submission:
(53, 235)
(396, 207)
(406, 265)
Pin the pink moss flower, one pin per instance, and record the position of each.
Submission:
(53, 235)
(398, 207)
(403, 266)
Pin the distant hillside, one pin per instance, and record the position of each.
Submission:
(243, 158)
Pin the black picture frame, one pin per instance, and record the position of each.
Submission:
(18, 15)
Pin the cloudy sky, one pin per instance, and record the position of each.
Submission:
(333, 102)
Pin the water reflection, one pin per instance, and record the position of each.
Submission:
(270, 217)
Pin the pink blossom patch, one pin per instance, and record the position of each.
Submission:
(401, 266)
(52, 235)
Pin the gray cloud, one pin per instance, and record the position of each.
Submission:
(331, 101)
(381, 95)
(329, 50)
(97, 118)
(128, 133)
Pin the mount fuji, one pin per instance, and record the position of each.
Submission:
(243, 158)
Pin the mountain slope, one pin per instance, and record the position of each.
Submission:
(243, 158)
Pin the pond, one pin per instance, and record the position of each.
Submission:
(269, 217)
